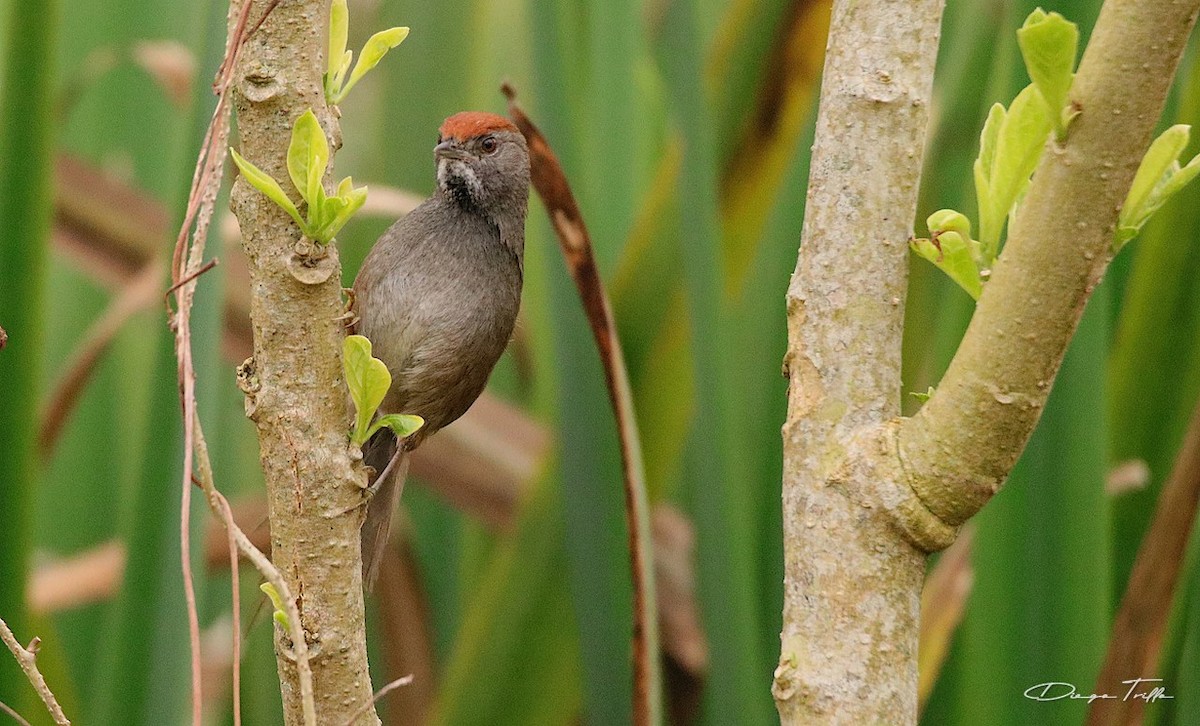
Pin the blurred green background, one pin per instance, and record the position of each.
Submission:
(684, 126)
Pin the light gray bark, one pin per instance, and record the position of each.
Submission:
(294, 388)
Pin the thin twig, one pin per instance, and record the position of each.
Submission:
(552, 186)
(27, 659)
(16, 716)
(138, 295)
(235, 587)
(378, 695)
(270, 573)
(206, 180)
(192, 276)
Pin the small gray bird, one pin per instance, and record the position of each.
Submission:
(438, 296)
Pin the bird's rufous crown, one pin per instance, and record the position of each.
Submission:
(472, 124)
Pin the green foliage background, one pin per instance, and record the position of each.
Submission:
(684, 126)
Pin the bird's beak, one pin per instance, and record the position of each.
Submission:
(449, 149)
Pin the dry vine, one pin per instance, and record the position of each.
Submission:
(185, 268)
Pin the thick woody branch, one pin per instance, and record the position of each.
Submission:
(293, 384)
(959, 448)
(852, 583)
(888, 490)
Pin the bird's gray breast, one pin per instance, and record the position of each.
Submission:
(438, 297)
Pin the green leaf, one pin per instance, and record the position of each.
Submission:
(401, 424)
(339, 25)
(373, 51)
(1155, 165)
(1010, 148)
(329, 209)
(949, 220)
(922, 397)
(318, 215)
(1158, 177)
(308, 155)
(277, 601)
(368, 380)
(340, 209)
(340, 77)
(1179, 179)
(1019, 147)
(1048, 43)
(270, 188)
(991, 221)
(952, 255)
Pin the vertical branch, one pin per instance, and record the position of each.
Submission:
(852, 583)
(892, 490)
(293, 383)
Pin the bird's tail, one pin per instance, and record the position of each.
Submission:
(378, 454)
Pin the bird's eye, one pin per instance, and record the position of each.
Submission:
(489, 144)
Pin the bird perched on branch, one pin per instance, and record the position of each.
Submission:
(438, 296)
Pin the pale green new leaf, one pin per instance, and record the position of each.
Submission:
(1158, 178)
(330, 208)
(922, 397)
(277, 602)
(339, 210)
(1019, 147)
(1179, 179)
(373, 51)
(989, 137)
(340, 77)
(1048, 44)
(1013, 147)
(266, 184)
(368, 380)
(339, 25)
(949, 220)
(1155, 165)
(991, 219)
(308, 155)
(402, 425)
(318, 215)
(952, 255)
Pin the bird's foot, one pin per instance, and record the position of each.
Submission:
(348, 317)
(373, 488)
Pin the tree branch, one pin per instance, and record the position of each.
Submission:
(895, 489)
(960, 447)
(852, 585)
(293, 383)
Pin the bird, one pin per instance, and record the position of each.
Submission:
(438, 297)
